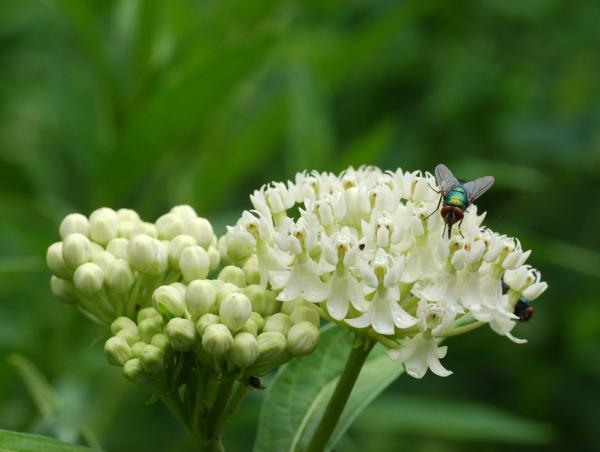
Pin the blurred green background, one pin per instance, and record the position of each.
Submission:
(147, 104)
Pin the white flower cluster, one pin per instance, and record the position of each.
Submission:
(363, 246)
(109, 264)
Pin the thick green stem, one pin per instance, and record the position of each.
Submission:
(237, 397)
(215, 418)
(335, 407)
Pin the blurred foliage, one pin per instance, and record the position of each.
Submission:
(147, 104)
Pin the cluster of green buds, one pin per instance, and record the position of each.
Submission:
(109, 264)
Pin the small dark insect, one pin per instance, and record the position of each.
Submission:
(523, 309)
(254, 382)
(457, 195)
(361, 246)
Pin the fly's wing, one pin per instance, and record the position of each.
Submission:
(475, 188)
(445, 178)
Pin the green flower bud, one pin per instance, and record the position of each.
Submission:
(222, 249)
(233, 275)
(126, 229)
(244, 350)
(252, 270)
(134, 372)
(271, 346)
(200, 297)
(103, 225)
(74, 223)
(103, 259)
(118, 247)
(201, 229)
(117, 351)
(161, 340)
(176, 247)
(304, 313)
(214, 258)
(182, 333)
(88, 279)
(148, 328)
(128, 215)
(238, 248)
(272, 304)
(56, 263)
(289, 306)
(185, 212)
(250, 327)
(258, 320)
(279, 323)
(224, 290)
(145, 228)
(206, 320)
(235, 310)
(147, 255)
(63, 290)
(193, 263)
(119, 277)
(123, 323)
(153, 359)
(169, 226)
(302, 338)
(137, 349)
(217, 339)
(76, 250)
(148, 313)
(169, 301)
(129, 335)
(257, 296)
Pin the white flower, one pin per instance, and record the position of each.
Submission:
(420, 353)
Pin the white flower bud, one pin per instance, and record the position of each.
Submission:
(148, 328)
(128, 215)
(129, 335)
(63, 290)
(161, 340)
(201, 229)
(182, 333)
(126, 229)
(89, 279)
(74, 223)
(233, 275)
(271, 346)
(56, 263)
(168, 226)
(278, 323)
(123, 323)
(222, 248)
(153, 359)
(235, 310)
(204, 321)
(134, 371)
(302, 338)
(119, 277)
(169, 301)
(217, 339)
(185, 212)
(258, 320)
(304, 313)
(250, 327)
(147, 255)
(176, 246)
(214, 258)
(535, 290)
(76, 250)
(145, 228)
(263, 301)
(200, 297)
(238, 246)
(103, 259)
(103, 225)
(118, 247)
(148, 313)
(252, 270)
(117, 351)
(244, 350)
(194, 263)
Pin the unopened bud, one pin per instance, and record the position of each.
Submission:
(169, 226)
(200, 297)
(63, 290)
(123, 323)
(129, 335)
(201, 229)
(252, 270)
(103, 225)
(244, 350)
(103, 259)
(148, 313)
(89, 278)
(194, 263)
(118, 247)
(169, 301)
(128, 215)
(206, 320)
(271, 346)
(76, 250)
(217, 339)
(147, 255)
(250, 327)
(148, 328)
(302, 338)
(119, 277)
(279, 323)
(258, 297)
(153, 359)
(137, 349)
(258, 320)
(117, 350)
(235, 310)
(238, 247)
(182, 333)
(214, 258)
(126, 229)
(176, 246)
(161, 340)
(55, 261)
(74, 223)
(233, 275)
(185, 212)
(145, 228)
(222, 248)
(134, 371)
(304, 313)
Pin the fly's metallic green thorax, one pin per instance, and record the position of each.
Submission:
(456, 197)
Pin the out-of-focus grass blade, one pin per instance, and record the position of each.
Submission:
(449, 419)
(24, 442)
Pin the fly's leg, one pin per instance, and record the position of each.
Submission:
(436, 209)
(459, 223)
(444, 231)
(433, 188)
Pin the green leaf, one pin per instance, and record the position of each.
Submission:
(23, 442)
(297, 398)
(449, 420)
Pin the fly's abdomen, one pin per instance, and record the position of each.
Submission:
(456, 197)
